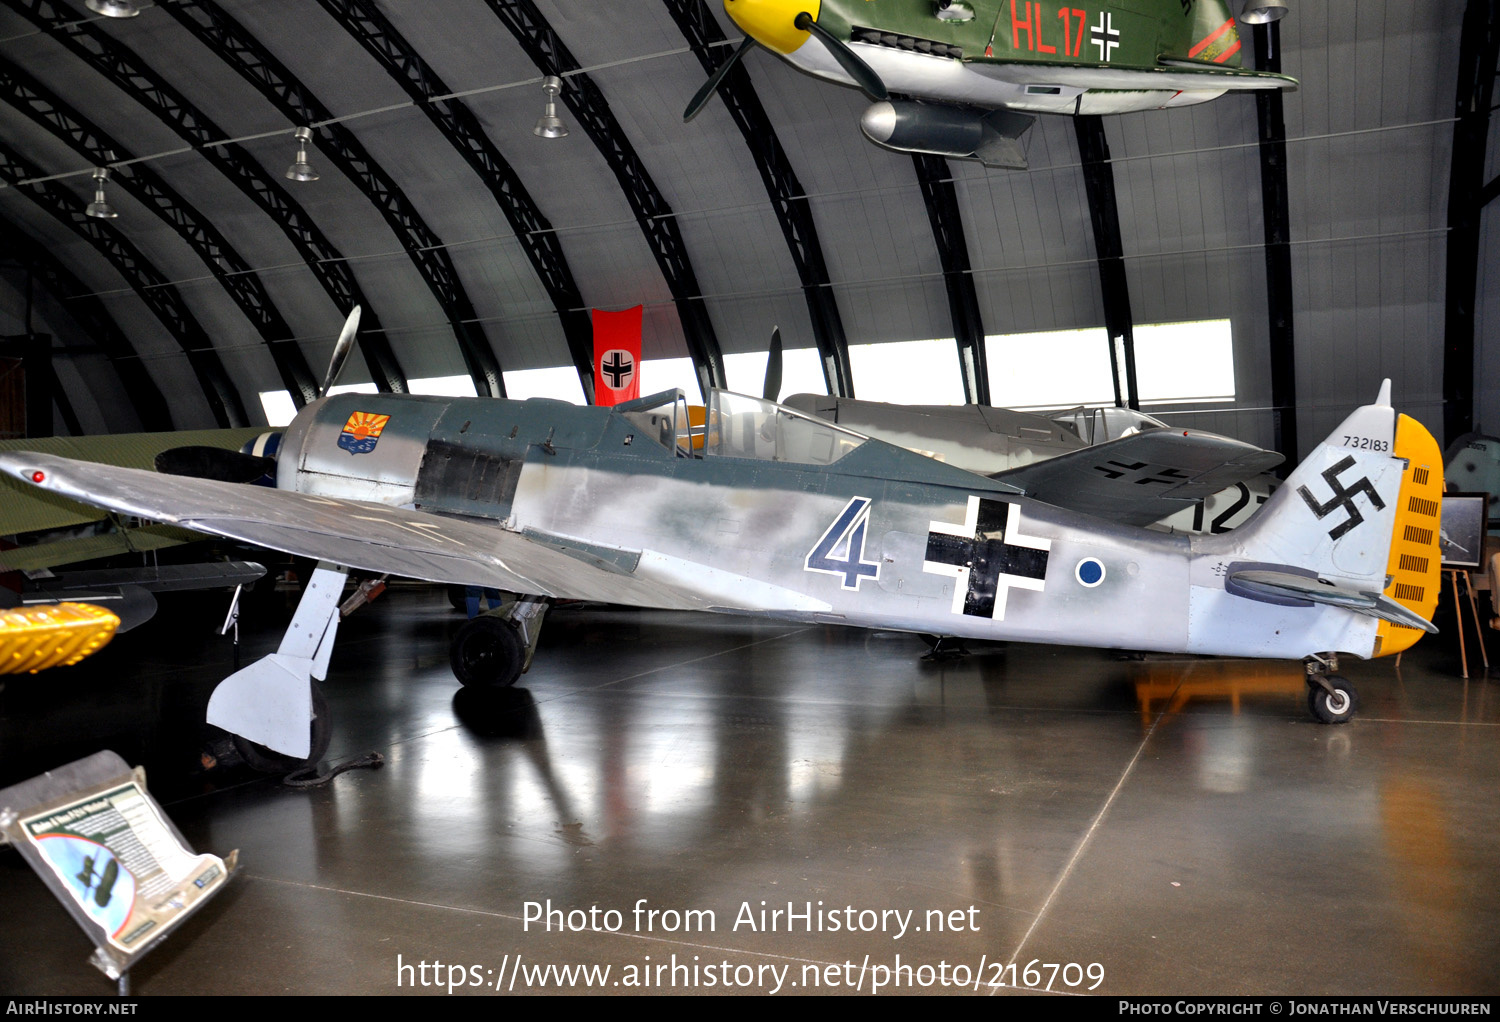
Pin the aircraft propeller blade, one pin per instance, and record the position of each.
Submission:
(772, 391)
(341, 349)
(861, 72)
(700, 98)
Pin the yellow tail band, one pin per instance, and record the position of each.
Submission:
(1415, 565)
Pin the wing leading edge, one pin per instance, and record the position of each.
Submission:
(1175, 73)
(411, 544)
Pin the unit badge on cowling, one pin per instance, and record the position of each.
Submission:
(362, 432)
(987, 556)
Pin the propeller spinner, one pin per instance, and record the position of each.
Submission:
(783, 26)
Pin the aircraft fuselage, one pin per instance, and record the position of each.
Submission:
(792, 517)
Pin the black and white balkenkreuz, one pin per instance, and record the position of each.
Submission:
(987, 556)
(617, 367)
(1105, 36)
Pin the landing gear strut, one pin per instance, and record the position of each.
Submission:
(944, 647)
(1330, 697)
(496, 648)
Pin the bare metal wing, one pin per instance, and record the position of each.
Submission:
(1144, 477)
(1177, 74)
(413, 544)
(26, 509)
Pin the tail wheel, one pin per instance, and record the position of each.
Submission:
(488, 650)
(1336, 707)
(269, 761)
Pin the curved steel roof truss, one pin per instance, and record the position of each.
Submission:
(793, 211)
(462, 129)
(126, 70)
(337, 144)
(139, 388)
(230, 268)
(936, 182)
(145, 279)
(655, 216)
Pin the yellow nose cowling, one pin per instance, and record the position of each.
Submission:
(771, 22)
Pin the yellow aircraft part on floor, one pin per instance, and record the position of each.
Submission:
(1415, 566)
(35, 638)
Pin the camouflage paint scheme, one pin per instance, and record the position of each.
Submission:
(1037, 56)
(611, 482)
(793, 517)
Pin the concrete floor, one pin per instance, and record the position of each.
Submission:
(1177, 826)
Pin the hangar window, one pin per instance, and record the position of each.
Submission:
(277, 404)
(447, 386)
(278, 407)
(560, 382)
(659, 374)
(801, 372)
(1175, 363)
(1185, 362)
(908, 372)
(1050, 369)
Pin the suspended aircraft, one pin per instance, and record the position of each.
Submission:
(965, 78)
(783, 515)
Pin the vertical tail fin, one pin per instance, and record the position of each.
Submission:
(1211, 34)
(1356, 525)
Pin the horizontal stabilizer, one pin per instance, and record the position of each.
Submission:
(1279, 585)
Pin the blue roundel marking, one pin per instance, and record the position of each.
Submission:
(1090, 572)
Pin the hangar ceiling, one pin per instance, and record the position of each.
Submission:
(477, 248)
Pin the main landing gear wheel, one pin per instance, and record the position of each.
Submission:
(489, 650)
(1336, 707)
(269, 761)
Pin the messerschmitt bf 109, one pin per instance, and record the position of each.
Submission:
(783, 515)
(972, 73)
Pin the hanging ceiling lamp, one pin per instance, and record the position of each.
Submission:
(100, 207)
(301, 170)
(549, 125)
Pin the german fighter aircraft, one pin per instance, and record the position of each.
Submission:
(1114, 463)
(784, 515)
(971, 74)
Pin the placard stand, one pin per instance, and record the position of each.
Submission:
(105, 849)
(1458, 609)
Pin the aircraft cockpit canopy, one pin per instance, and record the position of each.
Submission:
(662, 418)
(1096, 425)
(740, 426)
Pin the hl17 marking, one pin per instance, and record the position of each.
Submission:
(1030, 22)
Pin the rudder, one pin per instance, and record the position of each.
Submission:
(1415, 564)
